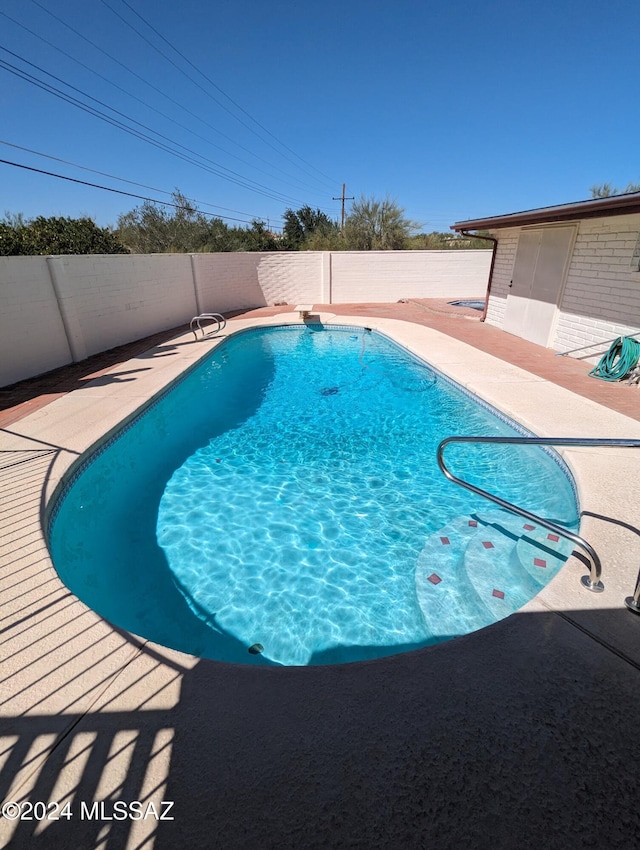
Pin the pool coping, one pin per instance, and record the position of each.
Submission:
(117, 671)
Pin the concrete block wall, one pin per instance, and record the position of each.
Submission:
(119, 298)
(227, 282)
(243, 280)
(601, 297)
(32, 335)
(291, 277)
(80, 305)
(388, 276)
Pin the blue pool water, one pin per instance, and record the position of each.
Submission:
(283, 505)
(475, 304)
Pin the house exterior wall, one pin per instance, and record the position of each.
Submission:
(502, 275)
(57, 310)
(601, 296)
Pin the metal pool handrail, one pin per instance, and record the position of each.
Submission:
(592, 581)
(218, 318)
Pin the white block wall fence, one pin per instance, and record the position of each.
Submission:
(59, 310)
(601, 296)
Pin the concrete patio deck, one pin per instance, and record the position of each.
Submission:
(522, 735)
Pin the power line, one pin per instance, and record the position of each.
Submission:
(215, 85)
(164, 56)
(121, 179)
(154, 109)
(146, 82)
(238, 179)
(247, 185)
(116, 191)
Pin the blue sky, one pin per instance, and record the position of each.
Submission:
(454, 110)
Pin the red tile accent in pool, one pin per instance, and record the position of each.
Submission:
(528, 527)
(487, 544)
(445, 541)
(498, 594)
(434, 578)
(473, 523)
(553, 537)
(539, 562)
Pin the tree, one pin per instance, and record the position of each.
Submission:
(305, 225)
(606, 190)
(10, 239)
(321, 240)
(181, 228)
(220, 237)
(436, 241)
(256, 238)
(56, 235)
(155, 229)
(374, 225)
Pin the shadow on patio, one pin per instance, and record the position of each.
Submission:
(521, 735)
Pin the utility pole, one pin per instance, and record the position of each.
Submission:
(343, 199)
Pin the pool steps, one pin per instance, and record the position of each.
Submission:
(480, 568)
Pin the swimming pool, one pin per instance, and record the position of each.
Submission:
(475, 304)
(282, 505)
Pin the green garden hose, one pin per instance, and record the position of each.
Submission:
(622, 356)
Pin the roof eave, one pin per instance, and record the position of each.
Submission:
(600, 207)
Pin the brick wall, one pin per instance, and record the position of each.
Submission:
(602, 294)
(601, 297)
(502, 274)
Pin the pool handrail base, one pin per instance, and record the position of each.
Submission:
(592, 581)
(218, 318)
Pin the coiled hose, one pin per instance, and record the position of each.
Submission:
(620, 359)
